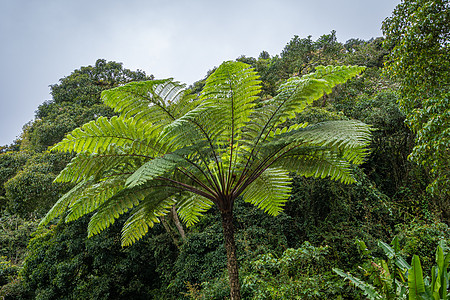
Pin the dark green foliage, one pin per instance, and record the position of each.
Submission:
(31, 190)
(296, 273)
(331, 214)
(392, 140)
(14, 237)
(7, 271)
(388, 164)
(63, 264)
(370, 54)
(10, 164)
(296, 55)
(84, 86)
(418, 35)
(421, 238)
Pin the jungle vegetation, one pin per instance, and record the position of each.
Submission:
(291, 197)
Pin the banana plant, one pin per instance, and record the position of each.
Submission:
(420, 287)
(396, 279)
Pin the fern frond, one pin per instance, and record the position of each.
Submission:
(100, 134)
(156, 204)
(86, 165)
(298, 92)
(64, 202)
(269, 191)
(350, 138)
(94, 196)
(115, 206)
(155, 168)
(317, 162)
(234, 87)
(156, 102)
(339, 134)
(191, 207)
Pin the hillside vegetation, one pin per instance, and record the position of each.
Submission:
(289, 256)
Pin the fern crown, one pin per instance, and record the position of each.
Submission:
(168, 147)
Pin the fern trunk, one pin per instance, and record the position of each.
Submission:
(230, 246)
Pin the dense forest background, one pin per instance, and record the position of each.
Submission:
(280, 257)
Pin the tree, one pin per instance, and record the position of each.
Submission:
(85, 85)
(418, 34)
(170, 147)
(31, 189)
(76, 100)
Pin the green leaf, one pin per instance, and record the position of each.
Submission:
(115, 206)
(99, 135)
(270, 191)
(191, 207)
(368, 289)
(416, 283)
(156, 203)
(64, 202)
(147, 102)
(398, 260)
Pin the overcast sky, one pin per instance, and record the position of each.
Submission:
(43, 41)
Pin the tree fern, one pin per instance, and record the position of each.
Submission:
(169, 147)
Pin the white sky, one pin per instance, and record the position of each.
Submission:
(43, 41)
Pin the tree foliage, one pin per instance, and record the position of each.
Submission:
(418, 34)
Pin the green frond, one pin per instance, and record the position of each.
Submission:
(190, 128)
(191, 207)
(100, 134)
(156, 102)
(94, 196)
(155, 168)
(335, 74)
(269, 191)
(340, 134)
(115, 206)
(146, 214)
(64, 202)
(287, 129)
(350, 138)
(297, 93)
(317, 162)
(86, 165)
(234, 87)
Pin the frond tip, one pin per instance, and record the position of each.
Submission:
(269, 191)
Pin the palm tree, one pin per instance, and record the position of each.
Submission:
(170, 147)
